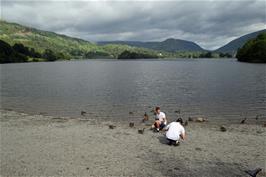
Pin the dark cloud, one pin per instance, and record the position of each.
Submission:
(209, 23)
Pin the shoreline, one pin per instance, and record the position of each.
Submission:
(38, 145)
(258, 119)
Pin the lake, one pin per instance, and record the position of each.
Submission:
(221, 90)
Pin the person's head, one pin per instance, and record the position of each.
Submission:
(180, 120)
(157, 110)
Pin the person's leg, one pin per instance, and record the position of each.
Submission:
(157, 124)
(170, 142)
(173, 142)
(162, 125)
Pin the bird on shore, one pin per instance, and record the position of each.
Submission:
(131, 124)
(83, 113)
(112, 126)
(145, 117)
(222, 128)
(253, 173)
(243, 121)
(141, 131)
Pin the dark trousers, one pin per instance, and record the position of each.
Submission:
(171, 142)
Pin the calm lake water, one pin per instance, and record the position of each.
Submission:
(109, 89)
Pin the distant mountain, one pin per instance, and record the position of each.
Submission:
(169, 45)
(232, 46)
(41, 41)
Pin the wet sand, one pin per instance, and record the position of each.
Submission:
(36, 145)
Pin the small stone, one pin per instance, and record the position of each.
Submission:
(223, 129)
(131, 112)
(198, 149)
(87, 168)
(176, 168)
(43, 113)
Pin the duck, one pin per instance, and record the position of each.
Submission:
(83, 113)
(131, 124)
(112, 126)
(141, 131)
(243, 121)
(145, 117)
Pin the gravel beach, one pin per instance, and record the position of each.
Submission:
(37, 145)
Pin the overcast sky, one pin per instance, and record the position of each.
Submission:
(210, 24)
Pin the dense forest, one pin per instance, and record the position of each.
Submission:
(254, 50)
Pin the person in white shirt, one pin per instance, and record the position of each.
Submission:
(175, 131)
(160, 119)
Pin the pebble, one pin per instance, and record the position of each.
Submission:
(198, 149)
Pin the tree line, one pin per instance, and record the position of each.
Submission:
(20, 53)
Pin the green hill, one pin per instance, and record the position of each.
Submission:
(61, 45)
(29, 44)
(40, 40)
(234, 45)
(169, 45)
(254, 50)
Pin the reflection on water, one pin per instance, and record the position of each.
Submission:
(109, 89)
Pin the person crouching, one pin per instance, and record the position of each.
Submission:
(175, 131)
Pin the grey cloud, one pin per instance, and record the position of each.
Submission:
(209, 23)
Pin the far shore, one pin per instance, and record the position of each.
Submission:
(38, 145)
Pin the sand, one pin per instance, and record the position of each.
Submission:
(36, 145)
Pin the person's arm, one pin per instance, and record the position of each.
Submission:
(167, 127)
(164, 119)
(183, 134)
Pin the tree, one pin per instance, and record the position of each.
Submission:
(9, 55)
(254, 50)
(20, 48)
(49, 55)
